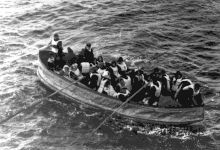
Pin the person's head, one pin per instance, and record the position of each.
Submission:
(100, 58)
(121, 82)
(88, 46)
(197, 86)
(156, 70)
(51, 54)
(178, 75)
(74, 66)
(113, 63)
(163, 72)
(120, 60)
(147, 77)
(66, 68)
(56, 37)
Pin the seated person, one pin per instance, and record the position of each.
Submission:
(120, 85)
(86, 54)
(100, 60)
(175, 81)
(64, 71)
(123, 95)
(186, 92)
(51, 62)
(127, 80)
(101, 68)
(154, 91)
(95, 79)
(122, 66)
(109, 90)
(113, 70)
(75, 72)
(197, 96)
(105, 78)
(138, 81)
(165, 80)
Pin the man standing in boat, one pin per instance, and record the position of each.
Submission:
(86, 54)
(56, 47)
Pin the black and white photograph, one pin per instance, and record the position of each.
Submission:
(110, 75)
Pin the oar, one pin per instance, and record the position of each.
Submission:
(37, 103)
(116, 110)
(33, 53)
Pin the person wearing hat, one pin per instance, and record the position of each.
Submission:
(86, 54)
(186, 93)
(56, 46)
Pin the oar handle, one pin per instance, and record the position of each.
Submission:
(37, 103)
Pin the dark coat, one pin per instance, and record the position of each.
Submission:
(85, 56)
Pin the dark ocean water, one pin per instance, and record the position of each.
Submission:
(188, 30)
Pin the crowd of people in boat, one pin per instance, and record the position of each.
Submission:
(118, 80)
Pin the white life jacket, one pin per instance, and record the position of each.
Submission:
(123, 66)
(101, 71)
(189, 86)
(99, 77)
(167, 77)
(54, 46)
(125, 94)
(188, 80)
(102, 84)
(51, 60)
(76, 72)
(110, 91)
(128, 83)
(85, 67)
(192, 87)
(176, 85)
(158, 88)
(115, 71)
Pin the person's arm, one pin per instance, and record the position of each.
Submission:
(59, 45)
(177, 92)
(92, 54)
(119, 70)
(168, 84)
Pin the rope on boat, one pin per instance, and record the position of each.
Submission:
(36, 103)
